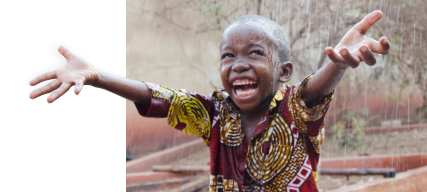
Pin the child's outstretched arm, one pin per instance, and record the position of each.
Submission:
(78, 72)
(353, 48)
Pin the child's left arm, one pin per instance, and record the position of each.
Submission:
(353, 48)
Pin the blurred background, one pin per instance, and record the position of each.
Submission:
(377, 112)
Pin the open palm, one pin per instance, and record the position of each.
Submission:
(76, 72)
(355, 47)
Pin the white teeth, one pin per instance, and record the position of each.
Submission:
(243, 82)
(242, 93)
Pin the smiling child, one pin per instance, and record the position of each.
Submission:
(263, 135)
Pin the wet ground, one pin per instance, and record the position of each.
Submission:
(327, 182)
(393, 143)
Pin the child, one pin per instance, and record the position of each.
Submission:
(262, 136)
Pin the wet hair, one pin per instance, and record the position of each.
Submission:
(273, 30)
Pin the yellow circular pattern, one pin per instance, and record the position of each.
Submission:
(264, 167)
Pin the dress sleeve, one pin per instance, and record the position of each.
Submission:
(309, 121)
(186, 111)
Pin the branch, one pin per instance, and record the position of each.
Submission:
(327, 6)
(171, 21)
(227, 16)
(258, 9)
(194, 67)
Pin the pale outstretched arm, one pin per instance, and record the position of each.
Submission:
(78, 72)
(353, 48)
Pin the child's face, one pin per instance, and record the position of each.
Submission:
(249, 66)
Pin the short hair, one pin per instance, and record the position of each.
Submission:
(273, 30)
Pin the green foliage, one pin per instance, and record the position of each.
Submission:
(202, 24)
(422, 111)
(212, 19)
(402, 85)
(350, 119)
(338, 129)
(216, 8)
(389, 99)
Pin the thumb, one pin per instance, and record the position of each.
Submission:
(65, 52)
(78, 87)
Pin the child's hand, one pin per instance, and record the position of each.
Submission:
(354, 47)
(76, 72)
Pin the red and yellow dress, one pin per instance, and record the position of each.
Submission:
(282, 154)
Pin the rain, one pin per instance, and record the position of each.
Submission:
(378, 113)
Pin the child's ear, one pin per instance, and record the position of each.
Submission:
(286, 71)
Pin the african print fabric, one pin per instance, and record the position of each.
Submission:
(282, 154)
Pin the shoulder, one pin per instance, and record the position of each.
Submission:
(220, 94)
(218, 97)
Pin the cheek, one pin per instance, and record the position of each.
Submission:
(273, 57)
(224, 70)
(268, 77)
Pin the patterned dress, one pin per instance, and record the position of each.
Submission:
(282, 154)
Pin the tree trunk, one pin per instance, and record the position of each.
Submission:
(424, 107)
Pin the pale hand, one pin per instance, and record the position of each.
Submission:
(76, 72)
(355, 47)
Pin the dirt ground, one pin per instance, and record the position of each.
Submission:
(394, 143)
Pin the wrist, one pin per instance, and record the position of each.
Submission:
(98, 82)
(338, 66)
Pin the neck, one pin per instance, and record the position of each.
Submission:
(260, 110)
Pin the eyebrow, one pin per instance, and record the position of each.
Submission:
(228, 47)
(256, 45)
(250, 45)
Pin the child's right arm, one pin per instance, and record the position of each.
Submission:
(78, 72)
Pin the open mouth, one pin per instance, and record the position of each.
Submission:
(245, 87)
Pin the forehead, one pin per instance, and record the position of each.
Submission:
(246, 33)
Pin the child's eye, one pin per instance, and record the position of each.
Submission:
(228, 55)
(256, 53)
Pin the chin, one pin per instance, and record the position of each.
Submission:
(247, 106)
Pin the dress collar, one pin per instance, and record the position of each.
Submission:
(278, 97)
(234, 113)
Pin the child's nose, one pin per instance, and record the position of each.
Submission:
(240, 67)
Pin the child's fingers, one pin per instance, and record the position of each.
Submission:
(368, 21)
(78, 87)
(380, 47)
(334, 57)
(65, 52)
(348, 58)
(367, 56)
(59, 92)
(385, 45)
(44, 77)
(45, 89)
